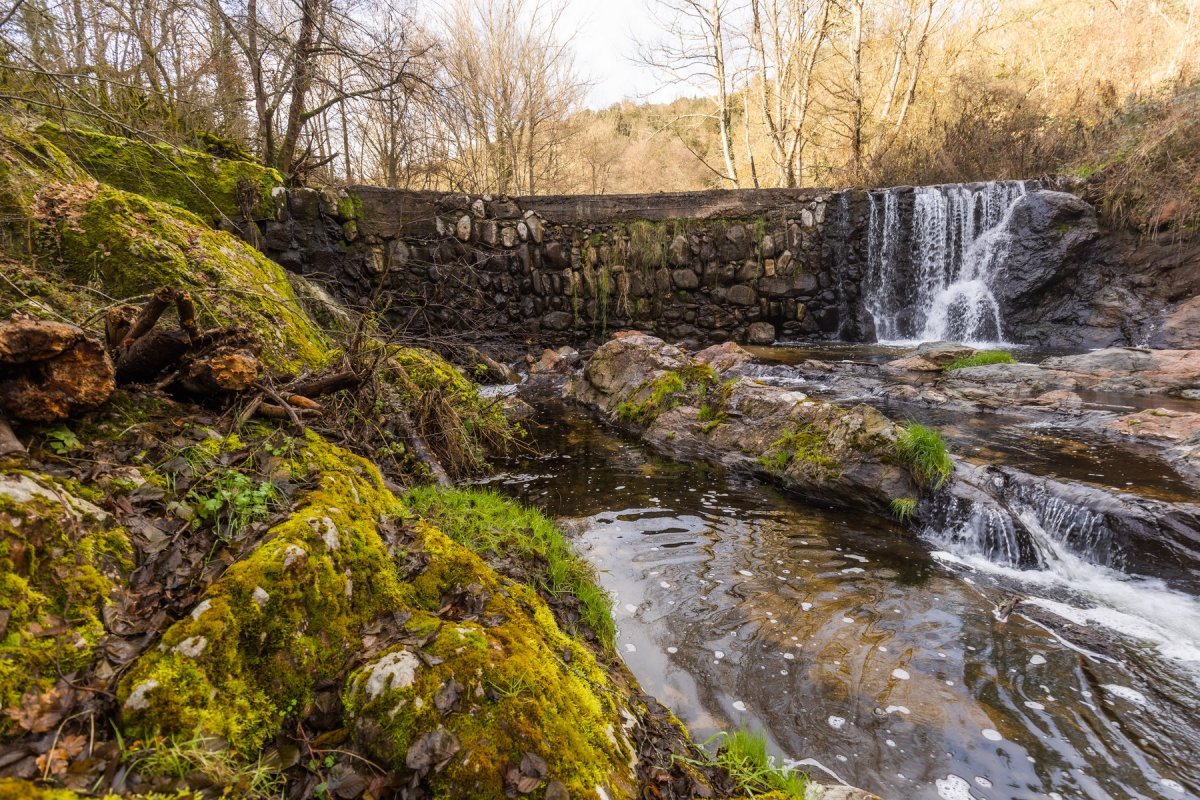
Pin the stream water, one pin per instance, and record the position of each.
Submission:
(866, 652)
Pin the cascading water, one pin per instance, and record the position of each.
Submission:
(933, 279)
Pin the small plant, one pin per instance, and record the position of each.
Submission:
(924, 452)
(804, 443)
(743, 755)
(696, 383)
(981, 359)
(63, 441)
(903, 508)
(232, 502)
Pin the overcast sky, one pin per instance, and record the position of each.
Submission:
(605, 49)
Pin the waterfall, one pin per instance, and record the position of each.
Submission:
(1121, 563)
(933, 278)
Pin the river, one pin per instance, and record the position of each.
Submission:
(867, 652)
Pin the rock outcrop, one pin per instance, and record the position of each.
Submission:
(833, 455)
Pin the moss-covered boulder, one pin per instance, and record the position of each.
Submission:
(434, 642)
(200, 182)
(844, 456)
(62, 559)
(124, 245)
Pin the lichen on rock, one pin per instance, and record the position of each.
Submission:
(62, 560)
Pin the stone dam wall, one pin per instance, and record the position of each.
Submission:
(750, 265)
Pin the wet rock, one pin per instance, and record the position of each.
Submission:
(1157, 424)
(1181, 327)
(1047, 231)
(553, 362)
(760, 333)
(943, 353)
(841, 456)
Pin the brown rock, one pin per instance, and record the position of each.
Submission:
(761, 333)
(27, 340)
(57, 371)
(912, 364)
(723, 358)
(1158, 424)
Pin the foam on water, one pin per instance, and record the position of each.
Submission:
(1092, 595)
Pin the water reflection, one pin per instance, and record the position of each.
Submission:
(857, 651)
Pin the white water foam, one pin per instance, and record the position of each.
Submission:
(1140, 609)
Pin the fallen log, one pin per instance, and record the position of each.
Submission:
(325, 384)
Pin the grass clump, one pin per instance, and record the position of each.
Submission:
(924, 452)
(903, 508)
(743, 755)
(523, 543)
(981, 359)
(184, 758)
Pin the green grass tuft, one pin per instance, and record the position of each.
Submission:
(904, 508)
(743, 755)
(981, 359)
(924, 452)
(502, 530)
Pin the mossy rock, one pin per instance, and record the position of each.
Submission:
(124, 245)
(293, 613)
(61, 560)
(522, 686)
(200, 182)
(14, 789)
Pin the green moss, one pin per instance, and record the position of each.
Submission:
(807, 445)
(981, 359)
(287, 616)
(60, 561)
(524, 687)
(278, 621)
(125, 246)
(924, 452)
(522, 543)
(694, 383)
(199, 182)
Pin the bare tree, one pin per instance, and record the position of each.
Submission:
(696, 48)
(510, 86)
